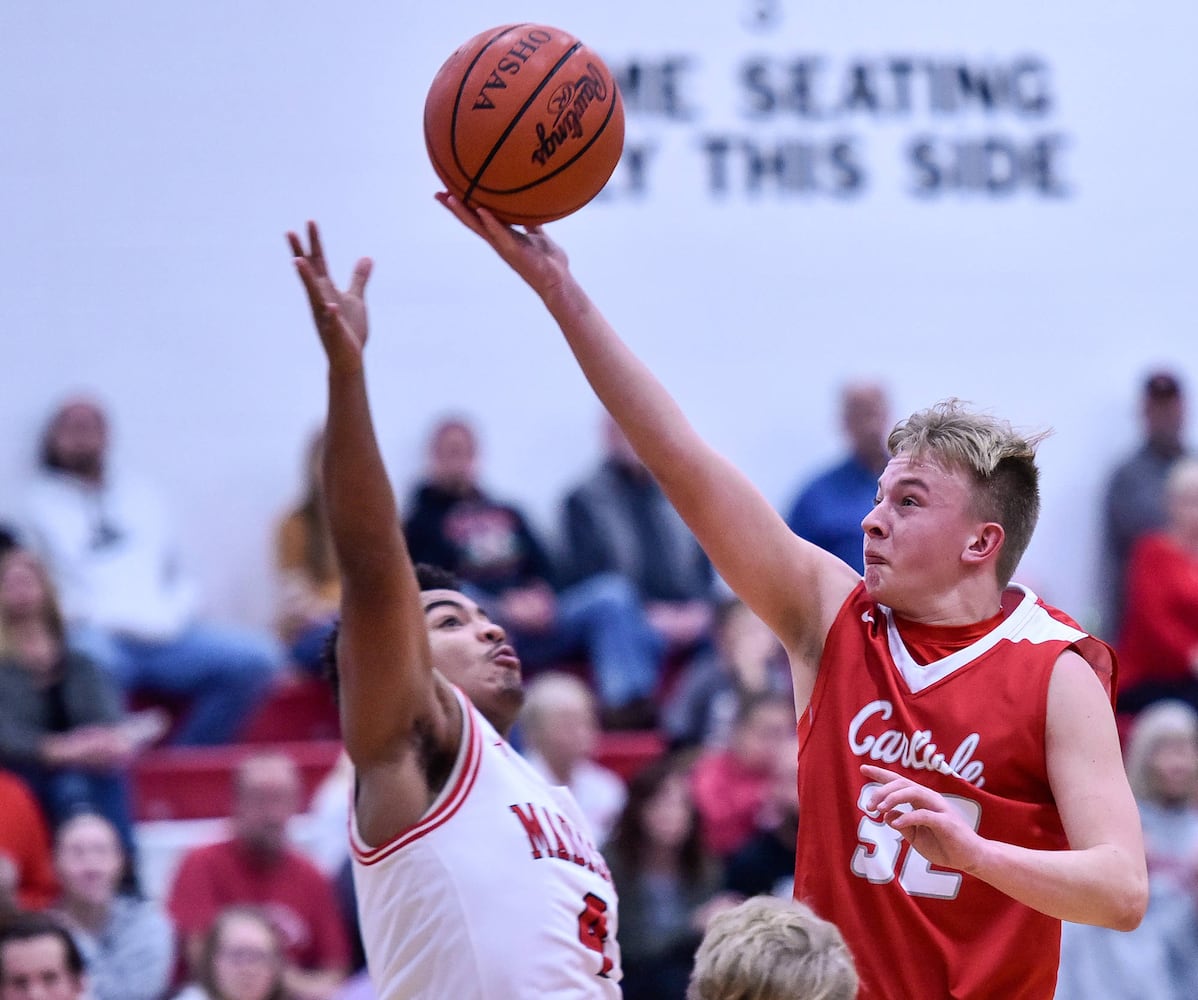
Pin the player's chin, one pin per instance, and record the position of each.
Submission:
(511, 686)
(875, 582)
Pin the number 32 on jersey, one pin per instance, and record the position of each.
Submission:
(883, 851)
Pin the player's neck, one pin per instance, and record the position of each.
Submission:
(964, 605)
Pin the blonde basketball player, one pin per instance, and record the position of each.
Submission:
(960, 780)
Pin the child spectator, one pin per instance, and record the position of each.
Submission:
(731, 785)
(765, 864)
(746, 660)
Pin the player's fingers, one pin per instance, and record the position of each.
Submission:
(297, 248)
(499, 231)
(880, 773)
(317, 253)
(907, 819)
(311, 286)
(467, 217)
(362, 269)
(885, 802)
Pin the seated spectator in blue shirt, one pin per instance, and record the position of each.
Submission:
(829, 509)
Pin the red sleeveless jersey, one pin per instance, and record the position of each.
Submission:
(971, 726)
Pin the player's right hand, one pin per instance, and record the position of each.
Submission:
(340, 316)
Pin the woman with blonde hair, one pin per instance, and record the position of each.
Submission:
(309, 584)
(63, 728)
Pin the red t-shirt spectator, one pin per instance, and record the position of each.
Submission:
(25, 842)
(1160, 626)
(293, 891)
(729, 798)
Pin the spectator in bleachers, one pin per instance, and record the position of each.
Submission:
(453, 523)
(765, 864)
(1158, 645)
(746, 658)
(39, 960)
(309, 584)
(127, 943)
(669, 885)
(114, 553)
(731, 785)
(241, 958)
(1159, 959)
(560, 729)
(62, 726)
(26, 867)
(259, 866)
(619, 521)
(829, 509)
(1134, 503)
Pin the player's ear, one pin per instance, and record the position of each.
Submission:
(985, 543)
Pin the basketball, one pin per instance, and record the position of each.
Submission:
(526, 121)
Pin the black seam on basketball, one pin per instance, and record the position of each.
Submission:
(520, 114)
(444, 174)
(611, 110)
(453, 120)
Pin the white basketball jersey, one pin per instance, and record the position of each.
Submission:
(498, 892)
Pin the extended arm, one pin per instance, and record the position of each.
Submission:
(793, 586)
(1102, 878)
(386, 679)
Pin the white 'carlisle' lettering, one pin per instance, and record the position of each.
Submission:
(916, 750)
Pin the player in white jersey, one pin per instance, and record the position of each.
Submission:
(475, 878)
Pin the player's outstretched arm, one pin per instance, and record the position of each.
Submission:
(1102, 878)
(793, 586)
(383, 656)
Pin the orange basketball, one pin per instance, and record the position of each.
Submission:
(526, 121)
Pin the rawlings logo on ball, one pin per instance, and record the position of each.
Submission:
(526, 121)
(569, 103)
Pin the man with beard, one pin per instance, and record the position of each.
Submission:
(130, 605)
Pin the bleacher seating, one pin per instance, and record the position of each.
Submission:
(300, 718)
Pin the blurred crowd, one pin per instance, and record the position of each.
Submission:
(106, 655)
